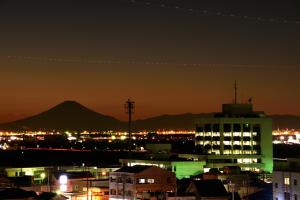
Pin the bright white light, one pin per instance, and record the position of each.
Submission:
(63, 179)
(63, 188)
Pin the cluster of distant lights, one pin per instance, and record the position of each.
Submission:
(286, 136)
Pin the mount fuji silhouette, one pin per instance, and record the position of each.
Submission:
(68, 115)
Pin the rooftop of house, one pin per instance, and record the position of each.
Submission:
(133, 169)
(210, 188)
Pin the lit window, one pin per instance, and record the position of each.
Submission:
(142, 180)
(236, 152)
(63, 188)
(287, 181)
(247, 134)
(217, 134)
(216, 142)
(63, 179)
(237, 134)
(227, 134)
(199, 134)
(227, 142)
(150, 180)
(237, 142)
(217, 152)
(207, 134)
(226, 152)
(246, 143)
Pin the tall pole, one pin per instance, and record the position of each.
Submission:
(129, 109)
(235, 92)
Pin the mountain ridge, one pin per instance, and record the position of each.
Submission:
(71, 115)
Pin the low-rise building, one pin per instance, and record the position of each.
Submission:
(141, 182)
(286, 179)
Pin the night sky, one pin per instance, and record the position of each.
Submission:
(169, 56)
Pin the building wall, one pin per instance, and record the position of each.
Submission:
(128, 185)
(237, 136)
(286, 184)
(186, 169)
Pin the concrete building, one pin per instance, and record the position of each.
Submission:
(141, 182)
(286, 179)
(238, 136)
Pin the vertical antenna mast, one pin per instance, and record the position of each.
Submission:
(129, 109)
(235, 92)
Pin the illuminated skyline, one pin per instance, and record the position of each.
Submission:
(167, 58)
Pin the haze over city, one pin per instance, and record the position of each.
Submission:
(168, 56)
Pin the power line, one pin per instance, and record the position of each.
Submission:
(216, 13)
(176, 65)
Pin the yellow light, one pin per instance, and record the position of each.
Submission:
(43, 175)
(123, 137)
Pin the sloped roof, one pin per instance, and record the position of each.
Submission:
(16, 193)
(133, 169)
(210, 188)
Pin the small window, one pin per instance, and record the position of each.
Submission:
(246, 127)
(276, 185)
(207, 127)
(142, 180)
(295, 197)
(236, 128)
(216, 128)
(76, 187)
(295, 182)
(287, 181)
(150, 180)
(128, 193)
(227, 127)
(113, 192)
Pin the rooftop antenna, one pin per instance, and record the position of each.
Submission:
(129, 109)
(235, 92)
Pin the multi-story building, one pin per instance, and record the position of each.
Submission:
(238, 136)
(286, 179)
(141, 182)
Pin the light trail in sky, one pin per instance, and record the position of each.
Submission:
(197, 11)
(186, 66)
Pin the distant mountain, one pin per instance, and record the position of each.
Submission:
(285, 121)
(169, 122)
(68, 115)
(71, 115)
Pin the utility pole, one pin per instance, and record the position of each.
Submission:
(129, 109)
(235, 92)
